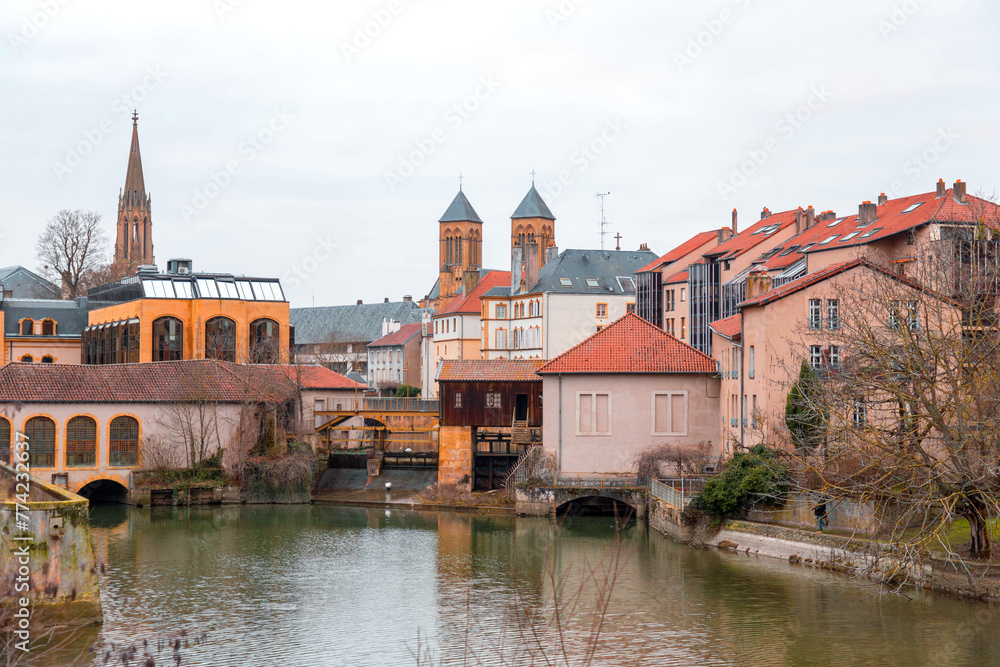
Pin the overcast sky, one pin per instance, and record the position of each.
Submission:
(344, 125)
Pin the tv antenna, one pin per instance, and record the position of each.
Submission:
(604, 223)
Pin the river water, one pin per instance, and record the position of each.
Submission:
(304, 586)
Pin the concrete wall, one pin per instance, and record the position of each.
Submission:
(455, 456)
(632, 427)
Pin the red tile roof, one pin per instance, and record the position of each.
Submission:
(681, 277)
(405, 333)
(156, 382)
(471, 303)
(487, 370)
(686, 248)
(631, 345)
(731, 327)
(318, 377)
(750, 238)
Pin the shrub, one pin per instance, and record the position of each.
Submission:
(757, 476)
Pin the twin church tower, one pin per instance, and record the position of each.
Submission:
(532, 229)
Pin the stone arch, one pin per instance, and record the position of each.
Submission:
(103, 488)
(597, 502)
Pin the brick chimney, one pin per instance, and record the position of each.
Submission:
(531, 264)
(798, 222)
(766, 213)
(407, 297)
(736, 229)
(643, 247)
(757, 283)
(386, 300)
(826, 215)
(516, 266)
(723, 235)
(959, 191)
(940, 187)
(810, 216)
(551, 252)
(360, 302)
(866, 213)
(882, 198)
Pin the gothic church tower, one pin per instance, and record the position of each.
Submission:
(460, 235)
(134, 241)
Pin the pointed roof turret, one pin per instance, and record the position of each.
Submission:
(460, 210)
(135, 186)
(532, 206)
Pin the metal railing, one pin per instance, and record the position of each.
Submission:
(523, 470)
(381, 404)
(677, 492)
(600, 480)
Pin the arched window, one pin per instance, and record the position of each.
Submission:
(123, 441)
(264, 342)
(41, 435)
(458, 244)
(4, 440)
(48, 327)
(168, 339)
(48, 359)
(27, 327)
(27, 358)
(220, 339)
(81, 442)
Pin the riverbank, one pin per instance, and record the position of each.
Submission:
(408, 500)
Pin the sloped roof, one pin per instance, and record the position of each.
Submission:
(489, 370)
(316, 377)
(731, 327)
(471, 302)
(349, 324)
(631, 345)
(26, 284)
(70, 316)
(135, 185)
(679, 277)
(801, 283)
(752, 236)
(405, 333)
(460, 210)
(686, 248)
(604, 266)
(532, 206)
(156, 382)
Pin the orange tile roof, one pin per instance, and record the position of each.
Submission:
(750, 238)
(680, 251)
(488, 370)
(405, 333)
(631, 345)
(680, 277)
(318, 377)
(731, 327)
(470, 303)
(801, 283)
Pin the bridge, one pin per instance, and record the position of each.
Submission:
(411, 423)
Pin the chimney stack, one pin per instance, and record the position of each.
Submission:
(551, 252)
(826, 215)
(798, 222)
(516, 266)
(757, 283)
(959, 191)
(866, 213)
(766, 213)
(723, 235)
(386, 300)
(360, 302)
(810, 216)
(940, 187)
(531, 264)
(407, 297)
(882, 198)
(736, 230)
(643, 247)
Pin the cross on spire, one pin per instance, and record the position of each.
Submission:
(533, 173)
(618, 239)
(135, 117)
(460, 181)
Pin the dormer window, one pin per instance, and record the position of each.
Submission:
(48, 328)
(27, 327)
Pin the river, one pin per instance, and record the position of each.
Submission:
(304, 586)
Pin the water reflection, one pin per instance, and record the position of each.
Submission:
(321, 585)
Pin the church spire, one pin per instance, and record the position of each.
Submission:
(135, 187)
(134, 240)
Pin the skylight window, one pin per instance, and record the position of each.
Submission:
(626, 284)
(807, 246)
(790, 250)
(913, 207)
(207, 289)
(592, 282)
(872, 232)
(565, 282)
(850, 236)
(836, 222)
(770, 230)
(183, 289)
(828, 239)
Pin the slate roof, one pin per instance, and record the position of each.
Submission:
(689, 246)
(70, 316)
(471, 302)
(488, 370)
(350, 324)
(405, 333)
(605, 266)
(532, 206)
(460, 210)
(730, 327)
(25, 284)
(158, 382)
(631, 345)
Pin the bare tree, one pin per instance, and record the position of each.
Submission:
(72, 246)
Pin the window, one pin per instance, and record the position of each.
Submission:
(4, 440)
(501, 311)
(871, 233)
(599, 327)
(912, 207)
(683, 328)
(27, 358)
(750, 371)
(123, 439)
(683, 294)
(593, 414)
(602, 310)
(264, 343)
(48, 328)
(833, 313)
(629, 307)
(626, 283)
(220, 339)
(458, 399)
(27, 327)
(668, 300)
(903, 311)
(81, 442)
(736, 362)
(565, 282)
(501, 339)
(815, 356)
(592, 282)
(48, 359)
(168, 339)
(851, 236)
(815, 314)
(492, 399)
(832, 356)
(670, 413)
(828, 239)
(911, 237)
(41, 435)
(859, 412)
(753, 415)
